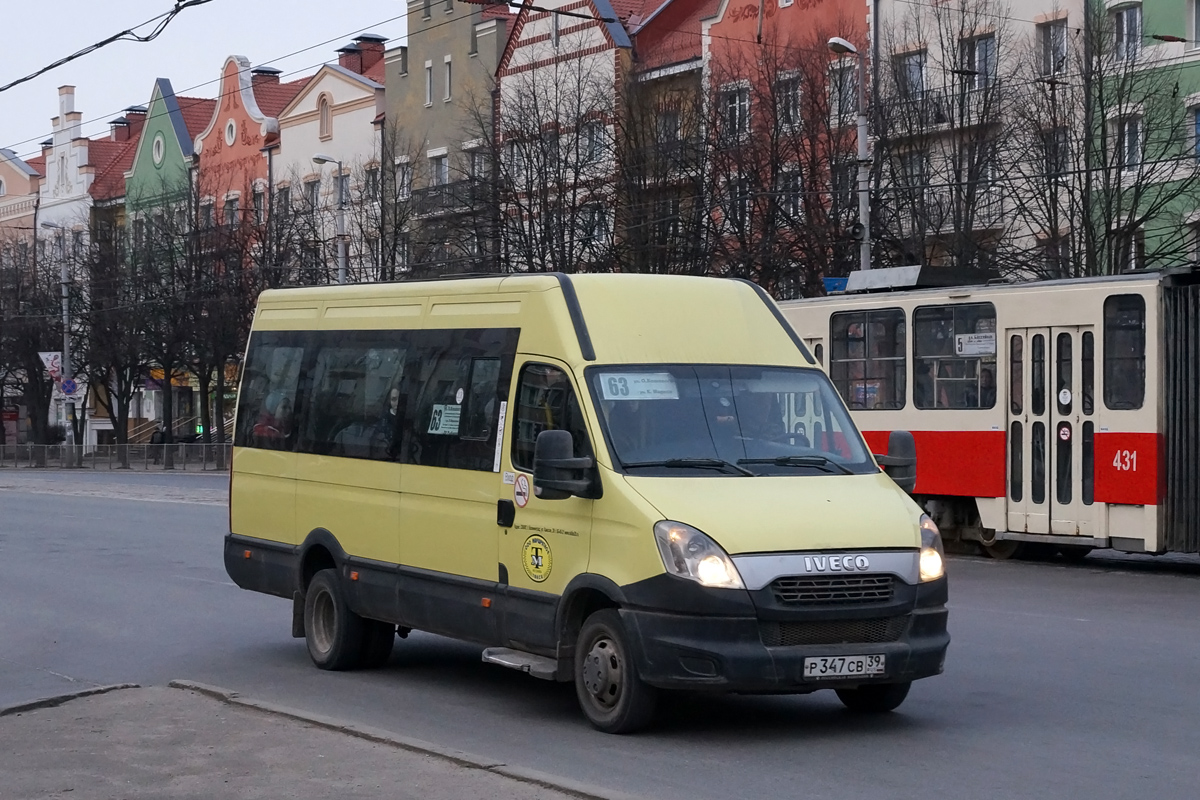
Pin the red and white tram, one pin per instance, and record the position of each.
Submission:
(1065, 413)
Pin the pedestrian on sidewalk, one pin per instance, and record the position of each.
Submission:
(156, 442)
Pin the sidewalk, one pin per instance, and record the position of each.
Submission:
(173, 743)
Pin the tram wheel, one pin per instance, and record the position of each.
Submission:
(1074, 552)
(1002, 549)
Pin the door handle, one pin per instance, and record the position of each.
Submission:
(506, 513)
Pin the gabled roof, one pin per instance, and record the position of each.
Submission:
(110, 160)
(671, 33)
(617, 14)
(196, 112)
(273, 97)
(39, 165)
(375, 72)
(18, 163)
(310, 83)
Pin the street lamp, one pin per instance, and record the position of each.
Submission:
(341, 214)
(64, 280)
(842, 47)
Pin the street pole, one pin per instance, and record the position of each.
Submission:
(864, 169)
(66, 358)
(341, 226)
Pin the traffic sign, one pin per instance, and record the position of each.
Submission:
(68, 386)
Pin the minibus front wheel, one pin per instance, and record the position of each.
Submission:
(611, 693)
(876, 698)
(337, 638)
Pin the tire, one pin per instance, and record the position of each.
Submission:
(378, 638)
(1002, 549)
(610, 691)
(334, 634)
(877, 698)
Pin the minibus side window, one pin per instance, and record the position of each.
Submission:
(867, 357)
(457, 380)
(545, 402)
(1124, 351)
(954, 356)
(266, 418)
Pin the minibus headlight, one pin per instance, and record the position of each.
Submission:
(933, 557)
(688, 553)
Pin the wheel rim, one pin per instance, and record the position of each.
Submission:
(1001, 549)
(324, 621)
(604, 673)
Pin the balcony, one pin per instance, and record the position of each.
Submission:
(449, 198)
(931, 110)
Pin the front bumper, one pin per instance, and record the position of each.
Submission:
(728, 653)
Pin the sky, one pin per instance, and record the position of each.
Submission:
(190, 51)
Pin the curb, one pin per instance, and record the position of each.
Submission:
(458, 757)
(59, 699)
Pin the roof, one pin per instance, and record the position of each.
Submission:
(497, 11)
(111, 160)
(38, 164)
(197, 111)
(671, 33)
(273, 97)
(376, 72)
(354, 76)
(18, 162)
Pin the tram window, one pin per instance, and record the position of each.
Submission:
(1124, 351)
(1016, 474)
(954, 356)
(1062, 464)
(1087, 381)
(1016, 375)
(1087, 465)
(819, 350)
(1064, 373)
(1037, 378)
(867, 357)
(1037, 472)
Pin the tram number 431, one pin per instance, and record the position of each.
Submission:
(1125, 460)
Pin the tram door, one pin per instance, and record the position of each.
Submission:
(816, 346)
(1051, 394)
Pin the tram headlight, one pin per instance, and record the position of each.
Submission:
(933, 557)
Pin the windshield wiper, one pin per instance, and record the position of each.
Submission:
(816, 462)
(701, 463)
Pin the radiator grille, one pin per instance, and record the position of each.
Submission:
(840, 631)
(830, 590)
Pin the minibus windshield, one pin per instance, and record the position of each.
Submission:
(735, 421)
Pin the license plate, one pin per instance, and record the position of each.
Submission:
(844, 666)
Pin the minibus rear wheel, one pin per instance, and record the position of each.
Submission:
(612, 695)
(334, 634)
(875, 698)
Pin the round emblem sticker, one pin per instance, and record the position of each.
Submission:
(458, 397)
(537, 559)
(521, 490)
(1064, 397)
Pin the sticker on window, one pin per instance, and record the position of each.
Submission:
(975, 344)
(445, 419)
(638, 386)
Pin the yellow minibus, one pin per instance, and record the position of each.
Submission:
(634, 483)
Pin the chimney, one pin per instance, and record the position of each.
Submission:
(370, 46)
(262, 76)
(118, 129)
(136, 117)
(350, 57)
(70, 120)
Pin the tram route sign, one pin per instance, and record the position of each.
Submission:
(975, 344)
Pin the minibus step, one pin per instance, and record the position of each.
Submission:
(537, 666)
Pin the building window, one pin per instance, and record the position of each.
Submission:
(1124, 351)
(283, 202)
(1056, 253)
(448, 79)
(738, 207)
(139, 233)
(867, 359)
(843, 90)
(914, 171)
(979, 62)
(788, 102)
(260, 209)
(594, 230)
(954, 356)
(404, 181)
(554, 29)
(477, 163)
(449, 6)
(1129, 143)
(791, 196)
(230, 212)
(843, 182)
(325, 114)
(206, 216)
(1054, 47)
(1196, 129)
(735, 111)
(371, 184)
(1, 188)
(439, 171)
(592, 144)
(1055, 150)
(474, 41)
(428, 83)
(426, 8)
(910, 75)
(1128, 251)
(1127, 33)
(312, 193)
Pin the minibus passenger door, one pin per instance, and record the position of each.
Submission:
(549, 541)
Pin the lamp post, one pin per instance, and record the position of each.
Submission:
(842, 47)
(341, 214)
(65, 281)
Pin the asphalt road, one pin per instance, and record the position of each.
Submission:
(1061, 682)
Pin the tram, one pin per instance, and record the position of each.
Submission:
(1054, 414)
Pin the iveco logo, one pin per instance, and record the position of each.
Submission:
(836, 563)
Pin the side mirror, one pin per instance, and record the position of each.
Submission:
(900, 463)
(557, 474)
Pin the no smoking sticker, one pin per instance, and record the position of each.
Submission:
(521, 490)
(1064, 433)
